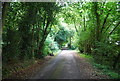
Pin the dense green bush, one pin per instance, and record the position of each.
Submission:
(50, 46)
(105, 52)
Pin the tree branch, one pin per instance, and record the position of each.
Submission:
(107, 28)
(110, 24)
(75, 25)
(114, 28)
(105, 20)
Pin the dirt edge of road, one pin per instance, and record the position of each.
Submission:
(30, 70)
(84, 64)
(93, 72)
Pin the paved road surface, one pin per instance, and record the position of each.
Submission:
(66, 65)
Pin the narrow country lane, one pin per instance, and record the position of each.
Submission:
(31, 30)
(66, 65)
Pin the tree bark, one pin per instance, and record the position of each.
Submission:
(44, 36)
(70, 43)
(84, 24)
(33, 43)
(4, 12)
(97, 21)
(116, 61)
(75, 25)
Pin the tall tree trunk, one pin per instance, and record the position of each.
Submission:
(75, 26)
(84, 24)
(97, 21)
(116, 61)
(44, 36)
(70, 43)
(33, 43)
(4, 11)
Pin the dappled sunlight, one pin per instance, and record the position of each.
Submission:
(46, 35)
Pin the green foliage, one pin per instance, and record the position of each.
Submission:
(62, 36)
(97, 30)
(26, 28)
(86, 56)
(34, 30)
(50, 46)
(107, 54)
(83, 37)
(105, 69)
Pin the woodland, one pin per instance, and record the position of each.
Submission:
(33, 30)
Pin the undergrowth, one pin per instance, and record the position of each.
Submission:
(105, 70)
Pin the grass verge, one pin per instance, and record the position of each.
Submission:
(105, 70)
